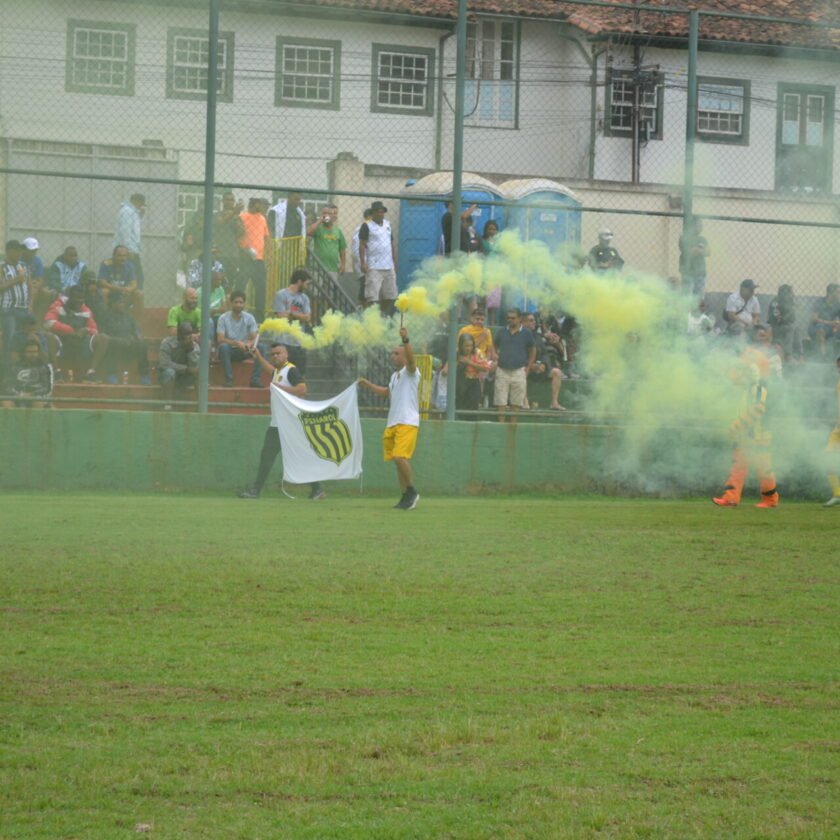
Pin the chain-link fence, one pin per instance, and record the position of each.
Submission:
(349, 101)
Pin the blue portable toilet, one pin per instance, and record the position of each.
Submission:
(556, 224)
(421, 211)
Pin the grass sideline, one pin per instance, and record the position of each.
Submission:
(195, 667)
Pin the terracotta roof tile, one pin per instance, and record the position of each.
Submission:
(599, 20)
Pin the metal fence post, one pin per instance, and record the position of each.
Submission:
(690, 117)
(457, 181)
(209, 178)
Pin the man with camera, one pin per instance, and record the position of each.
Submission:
(328, 241)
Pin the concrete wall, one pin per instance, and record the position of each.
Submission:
(71, 450)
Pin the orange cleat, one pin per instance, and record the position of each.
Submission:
(724, 502)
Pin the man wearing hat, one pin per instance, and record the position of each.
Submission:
(603, 257)
(378, 259)
(742, 310)
(129, 221)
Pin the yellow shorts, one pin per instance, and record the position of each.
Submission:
(399, 441)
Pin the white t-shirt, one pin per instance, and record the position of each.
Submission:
(735, 303)
(380, 252)
(405, 398)
(287, 375)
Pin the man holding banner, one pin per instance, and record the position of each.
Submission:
(400, 438)
(286, 378)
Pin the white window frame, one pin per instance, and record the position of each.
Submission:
(402, 88)
(86, 69)
(197, 40)
(492, 73)
(718, 125)
(303, 79)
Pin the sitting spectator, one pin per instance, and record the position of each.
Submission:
(603, 257)
(75, 326)
(481, 335)
(178, 361)
(293, 304)
(699, 323)
(30, 330)
(31, 378)
(781, 316)
(218, 295)
(92, 295)
(65, 272)
(562, 337)
(186, 312)
(195, 271)
(236, 333)
(694, 248)
(472, 367)
(125, 343)
(742, 311)
(119, 272)
(546, 366)
(825, 322)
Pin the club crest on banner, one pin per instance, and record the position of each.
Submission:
(328, 435)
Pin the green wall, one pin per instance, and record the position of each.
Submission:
(66, 449)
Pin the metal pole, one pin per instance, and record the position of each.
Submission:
(209, 178)
(690, 117)
(457, 181)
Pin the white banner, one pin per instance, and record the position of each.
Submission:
(321, 441)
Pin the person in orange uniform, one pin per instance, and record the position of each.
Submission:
(750, 436)
(255, 229)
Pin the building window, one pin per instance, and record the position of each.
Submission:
(492, 74)
(307, 73)
(100, 58)
(188, 53)
(402, 80)
(723, 107)
(621, 98)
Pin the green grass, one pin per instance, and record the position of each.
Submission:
(478, 668)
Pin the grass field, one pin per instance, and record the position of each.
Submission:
(199, 667)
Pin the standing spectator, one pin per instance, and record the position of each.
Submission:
(228, 230)
(403, 425)
(255, 232)
(14, 296)
(468, 381)
(178, 361)
(235, 335)
(292, 303)
(328, 241)
(825, 322)
(742, 310)
(833, 451)
(125, 342)
(603, 257)
(378, 259)
(66, 271)
(287, 218)
(493, 304)
(33, 264)
(185, 312)
(119, 273)
(286, 377)
(446, 228)
(129, 231)
(481, 335)
(781, 316)
(367, 215)
(545, 365)
(31, 378)
(72, 321)
(517, 352)
(694, 248)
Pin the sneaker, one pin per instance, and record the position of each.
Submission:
(834, 500)
(767, 504)
(400, 505)
(722, 502)
(251, 493)
(317, 495)
(411, 500)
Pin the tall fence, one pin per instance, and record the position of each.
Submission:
(347, 103)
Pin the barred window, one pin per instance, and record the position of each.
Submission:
(307, 73)
(100, 58)
(722, 107)
(188, 57)
(402, 80)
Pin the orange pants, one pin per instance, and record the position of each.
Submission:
(741, 459)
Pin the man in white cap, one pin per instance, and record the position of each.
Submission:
(603, 257)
